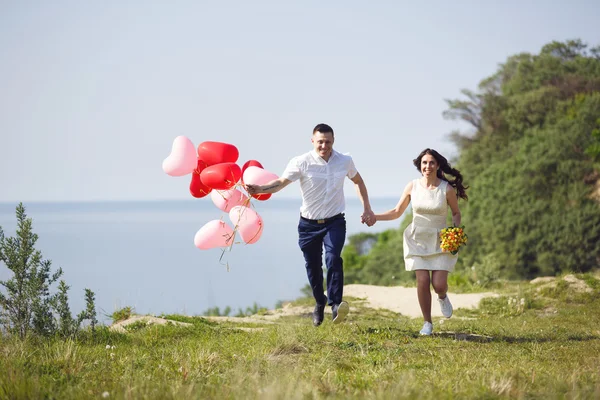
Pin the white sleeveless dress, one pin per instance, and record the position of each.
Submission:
(422, 237)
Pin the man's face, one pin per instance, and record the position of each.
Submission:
(323, 143)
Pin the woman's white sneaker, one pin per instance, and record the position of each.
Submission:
(427, 329)
(446, 306)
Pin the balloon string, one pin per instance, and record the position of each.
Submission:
(230, 240)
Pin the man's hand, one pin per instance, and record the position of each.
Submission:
(252, 189)
(368, 217)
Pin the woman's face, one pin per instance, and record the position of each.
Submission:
(429, 165)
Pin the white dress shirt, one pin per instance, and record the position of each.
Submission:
(321, 182)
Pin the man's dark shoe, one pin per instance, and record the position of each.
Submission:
(318, 314)
(340, 311)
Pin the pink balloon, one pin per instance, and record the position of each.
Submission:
(215, 233)
(225, 200)
(183, 158)
(248, 223)
(258, 176)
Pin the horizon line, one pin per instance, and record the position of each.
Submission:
(10, 202)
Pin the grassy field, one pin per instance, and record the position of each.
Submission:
(530, 342)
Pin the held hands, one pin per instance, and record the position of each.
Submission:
(368, 217)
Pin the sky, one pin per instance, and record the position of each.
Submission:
(92, 94)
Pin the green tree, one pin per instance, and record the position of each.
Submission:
(27, 302)
(27, 306)
(529, 163)
(90, 309)
(67, 326)
(532, 161)
(66, 323)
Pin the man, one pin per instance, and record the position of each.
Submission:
(322, 223)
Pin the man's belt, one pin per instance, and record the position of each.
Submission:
(323, 220)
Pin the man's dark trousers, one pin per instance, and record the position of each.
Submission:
(313, 235)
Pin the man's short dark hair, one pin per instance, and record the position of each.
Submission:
(323, 128)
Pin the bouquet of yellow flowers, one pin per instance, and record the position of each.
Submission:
(452, 238)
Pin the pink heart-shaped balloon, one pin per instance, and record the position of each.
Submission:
(247, 223)
(250, 163)
(258, 176)
(225, 200)
(183, 158)
(215, 233)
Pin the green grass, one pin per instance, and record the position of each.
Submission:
(545, 346)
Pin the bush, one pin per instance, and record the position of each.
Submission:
(121, 314)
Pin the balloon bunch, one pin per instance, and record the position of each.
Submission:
(215, 172)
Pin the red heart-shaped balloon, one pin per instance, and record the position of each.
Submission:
(221, 176)
(217, 153)
(197, 188)
(262, 196)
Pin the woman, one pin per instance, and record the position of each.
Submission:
(430, 195)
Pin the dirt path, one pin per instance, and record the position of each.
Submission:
(404, 300)
(398, 299)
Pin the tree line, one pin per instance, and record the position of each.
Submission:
(532, 161)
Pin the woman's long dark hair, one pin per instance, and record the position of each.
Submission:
(445, 169)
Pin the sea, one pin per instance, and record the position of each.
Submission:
(141, 254)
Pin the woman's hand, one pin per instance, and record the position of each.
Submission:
(368, 217)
